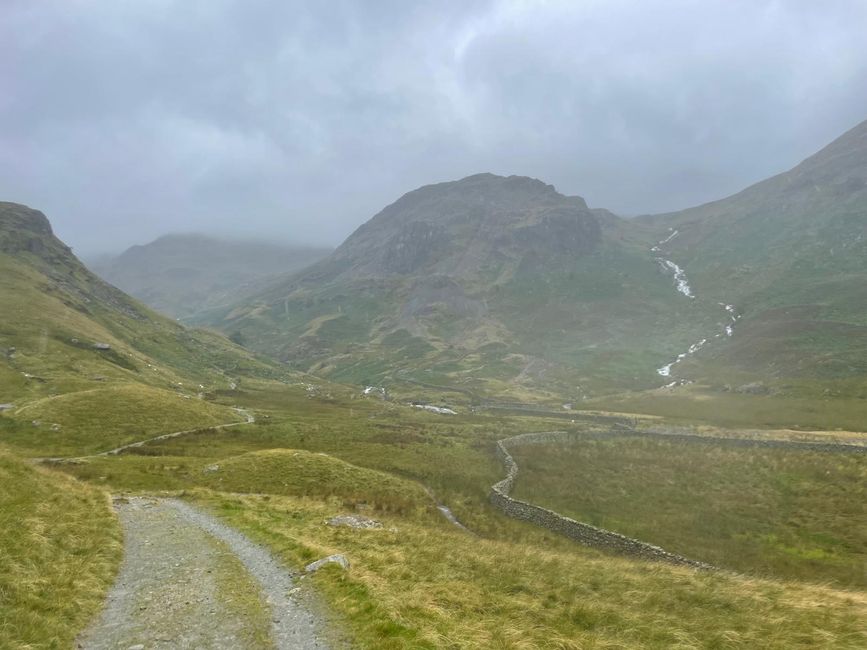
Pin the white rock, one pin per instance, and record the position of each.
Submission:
(331, 559)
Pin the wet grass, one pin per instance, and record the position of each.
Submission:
(315, 453)
(60, 546)
(100, 419)
(787, 513)
(420, 584)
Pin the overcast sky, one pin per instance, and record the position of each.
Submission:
(126, 119)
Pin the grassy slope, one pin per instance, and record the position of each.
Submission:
(428, 585)
(147, 383)
(291, 472)
(787, 513)
(788, 252)
(101, 419)
(59, 550)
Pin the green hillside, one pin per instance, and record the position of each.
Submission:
(78, 356)
(791, 254)
(60, 548)
(498, 283)
(508, 288)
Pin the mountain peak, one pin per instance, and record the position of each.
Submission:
(20, 217)
(456, 227)
(25, 230)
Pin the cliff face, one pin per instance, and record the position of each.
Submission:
(462, 227)
(24, 230)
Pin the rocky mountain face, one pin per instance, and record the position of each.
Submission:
(183, 274)
(505, 284)
(485, 277)
(461, 228)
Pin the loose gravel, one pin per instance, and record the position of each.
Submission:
(187, 581)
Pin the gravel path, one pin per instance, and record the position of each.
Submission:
(189, 581)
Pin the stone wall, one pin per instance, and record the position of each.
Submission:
(804, 445)
(580, 532)
(606, 539)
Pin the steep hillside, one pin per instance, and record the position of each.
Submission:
(180, 275)
(506, 286)
(497, 282)
(64, 331)
(790, 253)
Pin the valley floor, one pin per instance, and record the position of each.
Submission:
(417, 581)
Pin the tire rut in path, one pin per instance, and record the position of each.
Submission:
(189, 581)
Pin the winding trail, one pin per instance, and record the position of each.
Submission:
(189, 581)
(248, 419)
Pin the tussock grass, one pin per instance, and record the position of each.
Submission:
(294, 472)
(428, 585)
(784, 512)
(794, 408)
(100, 419)
(60, 546)
(423, 585)
(290, 472)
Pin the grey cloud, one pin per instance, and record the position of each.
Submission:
(125, 120)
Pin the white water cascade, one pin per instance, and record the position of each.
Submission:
(682, 285)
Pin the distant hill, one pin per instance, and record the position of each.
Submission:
(182, 274)
(505, 285)
(490, 281)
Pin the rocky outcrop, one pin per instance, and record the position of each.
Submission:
(465, 228)
(413, 246)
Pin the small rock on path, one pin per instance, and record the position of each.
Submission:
(179, 587)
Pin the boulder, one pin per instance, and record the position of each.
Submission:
(331, 559)
(354, 521)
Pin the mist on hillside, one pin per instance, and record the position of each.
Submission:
(497, 324)
(298, 122)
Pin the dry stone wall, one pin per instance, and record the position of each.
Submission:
(599, 537)
(579, 531)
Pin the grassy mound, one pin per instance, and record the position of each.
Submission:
(294, 472)
(59, 550)
(104, 418)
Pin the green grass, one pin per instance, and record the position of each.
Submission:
(419, 584)
(426, 584)
(787, 513)
(60, 547)
(241, 595)
(101, 419)
(290, 472)
(799, 407)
